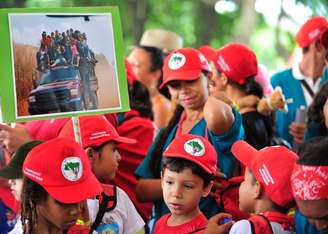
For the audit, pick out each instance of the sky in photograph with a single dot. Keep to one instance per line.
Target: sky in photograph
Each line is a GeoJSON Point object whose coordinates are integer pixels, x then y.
{"type": "Point", "coordinates": [27, 29]}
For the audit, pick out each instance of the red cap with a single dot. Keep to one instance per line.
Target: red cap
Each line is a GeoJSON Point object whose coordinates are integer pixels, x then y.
{"type": "Point", "coordinates": [208, 52]}
{"type": "Point", "coordinates": [324, 39]}
{"type": "Point", "coordinates": [194, 148]}
{"type": "Point", "coordinates": [237, 62]}
{"type": "Point", "coordinates": [311, 30]}
{"type": "Point", "coordinates": [272, 167]}
{"type": "Point", "coordinates": [95, 131]}
{"type": "Point", "coordinates": [184, 64]}
{"type": "Point", "coordinates": [62, 168]}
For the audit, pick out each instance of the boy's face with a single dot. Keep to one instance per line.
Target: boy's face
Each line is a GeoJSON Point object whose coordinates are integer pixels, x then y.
{"type": "Point", "coordinates": [182, 191]}
{"type": "Point", "coordinates": [247, 191]}
{"type": "Point", "coordinates": [61, 215]}
{"type": "Point", "coordinates": [16, 186]}
{"type": "Point", "coordinates": [316, 212]}
{"type": "Point", "coordinates": [105, 162]}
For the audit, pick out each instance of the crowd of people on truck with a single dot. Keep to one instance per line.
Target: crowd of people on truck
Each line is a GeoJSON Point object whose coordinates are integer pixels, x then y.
{"type": "Point", "coordinates": [63, 48]}
{"type": "Point", "coordinates": [211, 144]}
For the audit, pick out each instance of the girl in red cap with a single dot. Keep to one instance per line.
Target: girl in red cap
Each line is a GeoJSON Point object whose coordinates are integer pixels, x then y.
{"type": "Point", "coordinates": [57, 181]}
{"type": "Point", "coordinates": [186, 73]}
{"type": "Point", "coordinates": [235, 75]}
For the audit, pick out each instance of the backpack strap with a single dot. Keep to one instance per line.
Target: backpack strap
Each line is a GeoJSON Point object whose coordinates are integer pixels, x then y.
{"type": "Point", "coordinates": [260, 225]}
{"type": "Point", "coordinates": [107, 202]}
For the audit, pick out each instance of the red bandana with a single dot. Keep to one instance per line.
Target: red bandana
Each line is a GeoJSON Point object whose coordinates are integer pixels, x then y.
{"type": "Point", "coordinates": [310, 182]}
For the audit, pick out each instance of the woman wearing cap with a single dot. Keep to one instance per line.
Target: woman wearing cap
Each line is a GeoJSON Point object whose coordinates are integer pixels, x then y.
{"type": "Point", "coordinates": [57, 181]}
{"type": "Point", "coordinates": [186, 74]}
{"type": "Point", "coordinates": [235, 75]}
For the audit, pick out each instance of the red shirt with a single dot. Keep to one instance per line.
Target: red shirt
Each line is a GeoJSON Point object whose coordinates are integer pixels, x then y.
{"type": "Point", "coordinates": [196, 225]}
{"type": "Point", "coordinates": [142, 130]}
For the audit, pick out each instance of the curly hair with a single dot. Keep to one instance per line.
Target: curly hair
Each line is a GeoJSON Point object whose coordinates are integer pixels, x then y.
{"type": "Point", "coordinates": [32, 195]}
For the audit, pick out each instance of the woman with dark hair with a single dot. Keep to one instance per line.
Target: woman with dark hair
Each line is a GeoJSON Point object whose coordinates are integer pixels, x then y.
{"type": "Point", "coordinates": [234, 73]}
{"type": "Point", "coordinates": [137, 124]}
{"type": "Point", "coordinates": [318, 114]}
{"type": "Point", "coordinates": [186, 73]}
{"type": "Point", "coordinates": [147, 62]}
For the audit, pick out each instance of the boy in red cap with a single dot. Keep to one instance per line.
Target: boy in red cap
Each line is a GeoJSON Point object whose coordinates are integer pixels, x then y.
{"type": "Point", "coordinates": [301, 82]}
{"type": "Point", "coordinates": [189, 164]}
{"type": "Point", "coordinates": [99, 140]}
{"type": "Point", "coordinates": [265, 191]}
{"type": "Point", "coordinates": [310, 187]}
{"type": "Point", "coordinates": [57, 181]}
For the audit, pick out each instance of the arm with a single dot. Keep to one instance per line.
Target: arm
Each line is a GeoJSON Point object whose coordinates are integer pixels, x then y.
{"type": "Point", "coordinates": [218, 115]}
{"type": "Point", "coordinates": [149, 190]}
{"type": "Point", "coordinates": [13, 137]}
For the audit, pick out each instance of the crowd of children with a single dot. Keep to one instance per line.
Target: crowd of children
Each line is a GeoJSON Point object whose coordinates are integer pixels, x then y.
{"type": "Point", "coordinates": [201, 157]}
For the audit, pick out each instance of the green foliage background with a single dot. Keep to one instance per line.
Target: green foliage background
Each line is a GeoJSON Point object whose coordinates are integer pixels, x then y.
{"type": "Point", "coordinates": [197, 22]}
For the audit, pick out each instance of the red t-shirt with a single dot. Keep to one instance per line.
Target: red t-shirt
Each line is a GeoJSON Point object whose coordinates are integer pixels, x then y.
{"type": "Point", "coordinates": [195, 226]}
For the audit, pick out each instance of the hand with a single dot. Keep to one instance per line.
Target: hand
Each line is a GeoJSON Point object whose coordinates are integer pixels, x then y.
{"type": "Point", "coordinates": [297, 131]}
{"type": "Point", "coordinates": [214, 226]}
{"type": "Point", "coordinates": [219, 183]}
{"type": "Point", "coordinates": [223, 97]}
{"type": "Point", "coordinates": [12, 137]}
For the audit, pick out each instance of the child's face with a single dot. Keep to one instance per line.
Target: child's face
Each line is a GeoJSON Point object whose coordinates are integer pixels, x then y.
{"type": "Point", "coordinates": [56, 214]}
{"type": "Point", "coordinates": [246, 192]}
{"type": "Point", "coordinates": [316, 212]}
{"type": "Point", "coordinates": [106, 162]}
{"type": "Point", "coordinates": [182, 191]}
{"type": "Point", "coordinates": [16, 186]}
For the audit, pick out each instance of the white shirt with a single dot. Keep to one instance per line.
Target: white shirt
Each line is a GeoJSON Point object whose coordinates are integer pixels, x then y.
{"type": "Point", "coordinates": [244, 227]}
{"type": "Point", "coordinates": [18, 228]}
{"type": "Point", "coordinates": [315, 86]}
{"type": "Point", "coordinates": [123, 219]}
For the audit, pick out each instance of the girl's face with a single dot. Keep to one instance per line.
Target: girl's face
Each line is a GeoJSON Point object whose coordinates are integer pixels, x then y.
{"type": "Point", "coordinates": [16, 186]}
{"type": "Point", "coordinates": [190, 94]}
{"type": "Point", "coordinates": [53, 213]}
{"type": "Point", "coordinates": [106, 162]}
{"type": "Point", "coordinates": [215, 82]}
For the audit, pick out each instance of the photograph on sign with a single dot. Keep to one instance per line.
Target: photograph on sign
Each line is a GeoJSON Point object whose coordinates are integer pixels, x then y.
{"type": "Point", "coordinates": [63, 63]}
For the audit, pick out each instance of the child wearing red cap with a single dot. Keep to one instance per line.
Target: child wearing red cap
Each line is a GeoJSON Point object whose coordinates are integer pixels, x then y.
{"type": "Point", "coordinates": [235, 71]}
{"type": "Point", "coordinates": [301, 82]}
{"type": "Point", "coordinates": [264, 190]}
{"type": "Point", "coordinates": [57, 181]}
{"type": "Point", "coordinates": [99, 139]}
{"type": "Point", "coordinates": [310, 187]}
{"type": "Point", "coordinates": [189, 164]}
{"type": "Point", "coordinates": [186, 73]}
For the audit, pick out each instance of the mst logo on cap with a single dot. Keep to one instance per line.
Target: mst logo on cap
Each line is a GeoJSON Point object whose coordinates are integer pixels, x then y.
{"type": "Point", "coordinates": [195, 147]}
{"type": "Point", "coordinates": [71, 168]}
{"type": "Point", "coordinates": [176, 61]}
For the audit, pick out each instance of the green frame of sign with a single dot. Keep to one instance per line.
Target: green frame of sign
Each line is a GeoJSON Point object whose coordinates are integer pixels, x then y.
{"type": "Point", "coordinates": [7, 93]}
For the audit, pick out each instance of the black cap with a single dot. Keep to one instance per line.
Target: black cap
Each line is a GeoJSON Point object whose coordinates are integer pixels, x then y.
{"type": "Point", "coordinates": [14, 169]}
